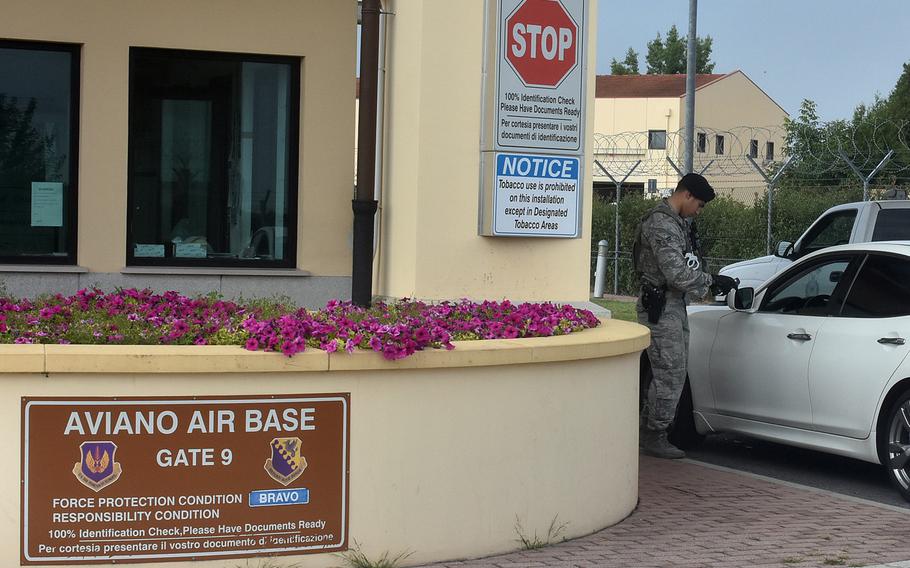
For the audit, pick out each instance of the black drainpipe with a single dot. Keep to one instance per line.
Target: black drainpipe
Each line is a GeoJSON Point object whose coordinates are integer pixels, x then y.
{"type": "Point", "coordinates": [364, 204]}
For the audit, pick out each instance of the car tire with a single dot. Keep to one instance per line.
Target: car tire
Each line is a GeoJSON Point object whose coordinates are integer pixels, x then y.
{"type": "Point", "coordinates": [894, 448]}
{"type": "Point", "coordinates": [682, 432]}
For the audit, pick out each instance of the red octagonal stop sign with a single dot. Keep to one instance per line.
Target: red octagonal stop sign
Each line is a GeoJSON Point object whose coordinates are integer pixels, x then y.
{"type": "Point", "coordinates": [541, 42]}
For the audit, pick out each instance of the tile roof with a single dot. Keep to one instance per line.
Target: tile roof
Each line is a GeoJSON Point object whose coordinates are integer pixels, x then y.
{"type": "Point", "coordinates": [640, 86]}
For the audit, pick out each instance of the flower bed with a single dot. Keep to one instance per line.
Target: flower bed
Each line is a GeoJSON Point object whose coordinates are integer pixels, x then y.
{"type": "Point", "coordinates": [141, 317]}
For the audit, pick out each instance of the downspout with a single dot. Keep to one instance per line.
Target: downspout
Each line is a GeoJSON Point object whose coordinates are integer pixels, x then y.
{"type": "Point", "coordinates": [364, 202]}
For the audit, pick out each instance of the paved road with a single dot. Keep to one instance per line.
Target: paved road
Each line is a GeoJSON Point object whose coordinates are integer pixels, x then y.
{"type": "Point", "coordinates": [833, 473]}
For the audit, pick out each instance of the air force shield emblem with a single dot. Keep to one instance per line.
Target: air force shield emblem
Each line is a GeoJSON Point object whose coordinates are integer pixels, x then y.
{"type": "Point", "coordinates": [96, 468]}
{"type": "Point", "coordinates": [286, 463]}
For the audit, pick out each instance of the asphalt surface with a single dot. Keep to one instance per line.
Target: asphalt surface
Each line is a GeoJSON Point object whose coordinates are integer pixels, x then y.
{"type": "Point", "coordinates": [806, 467]}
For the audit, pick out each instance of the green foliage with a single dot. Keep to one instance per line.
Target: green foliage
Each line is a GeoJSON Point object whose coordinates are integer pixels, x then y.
{"type": "Point", "coordinates": [628, 66]}
{"type": "Point", "coordinates": [529, 542]}
{"type": "Point", "coordinates": [356, 558]}
{"type": "Point", "coordinates": [668, 56]}
{"type": "Point", "coordinates": [22, 147]}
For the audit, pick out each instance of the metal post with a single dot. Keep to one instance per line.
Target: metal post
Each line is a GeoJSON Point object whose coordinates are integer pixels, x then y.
{"type": "Point", "coordinates": [600, 272]}
{"type": "Point", "coordinates": [364, 203]}
{"type": "Point", "coordinates": [616, 242]}
{"type": "Point", "coordinates": [771, 182]}
{"type": "Point", "coordinates": [691, 68]}
{"type": "Point", "coordinates": [859, 174]}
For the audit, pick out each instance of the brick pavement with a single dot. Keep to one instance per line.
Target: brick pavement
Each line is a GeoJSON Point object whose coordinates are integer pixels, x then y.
{"type": "Point", "coordinates": [692, 515]}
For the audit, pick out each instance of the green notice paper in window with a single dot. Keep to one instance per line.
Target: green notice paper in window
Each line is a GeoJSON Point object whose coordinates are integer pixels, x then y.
{"type": "Point", "coordinates": [47, 204]}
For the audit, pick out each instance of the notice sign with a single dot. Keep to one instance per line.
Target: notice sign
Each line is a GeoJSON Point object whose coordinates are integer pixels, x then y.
{"type": "Point", "coordinates": [540, 69]}
{"type": "Point", "coordinates": [47, 204]}
{"type": "Point", "coordinates": [536, 195]}
{"type": "Point", "coordinates": [144, 480]}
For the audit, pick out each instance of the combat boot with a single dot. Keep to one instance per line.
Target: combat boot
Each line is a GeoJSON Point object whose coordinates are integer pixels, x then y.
{"type": "Point", "coordinates": [656, 444]}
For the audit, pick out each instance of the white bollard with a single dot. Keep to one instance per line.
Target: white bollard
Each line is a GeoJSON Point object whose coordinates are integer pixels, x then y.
{"type": "Point", "coordinates": [600, 272]}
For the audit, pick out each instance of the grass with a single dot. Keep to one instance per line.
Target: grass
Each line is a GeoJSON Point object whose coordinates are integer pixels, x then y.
{"type": "Point", "coordinates": [355, 558]}
{"type": "Point", "coordinates": [529, 542]}
{"type": "Point", "coordinates": [622, 309]}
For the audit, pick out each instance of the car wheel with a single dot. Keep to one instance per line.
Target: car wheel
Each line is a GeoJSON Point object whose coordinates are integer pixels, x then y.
{"type": "Point", "coordinates": [682, 432]}
{"type": "Point", "coordinates": [895, 454]}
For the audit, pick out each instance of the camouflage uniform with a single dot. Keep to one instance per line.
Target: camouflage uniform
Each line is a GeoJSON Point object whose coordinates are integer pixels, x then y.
{"type": "Point", "coordinates": [664, 243]}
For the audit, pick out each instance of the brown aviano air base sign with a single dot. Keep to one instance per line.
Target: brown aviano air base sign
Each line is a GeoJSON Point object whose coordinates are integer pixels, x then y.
{"type": "Point", "coordinates": [160, 479]}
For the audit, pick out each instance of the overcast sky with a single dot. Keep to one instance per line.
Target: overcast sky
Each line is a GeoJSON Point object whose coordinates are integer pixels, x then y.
{"type": "Point", "coordinates": [838, 53]}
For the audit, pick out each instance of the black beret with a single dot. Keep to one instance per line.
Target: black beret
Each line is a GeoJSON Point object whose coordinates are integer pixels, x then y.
{"type": "Point", "coordinates": [698, 186]}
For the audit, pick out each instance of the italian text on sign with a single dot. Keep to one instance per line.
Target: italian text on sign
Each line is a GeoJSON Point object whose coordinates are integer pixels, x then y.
{"type": "Point", "coordinates": [145, 480]}
{"type": "Point", "coordinates": [536, 195]}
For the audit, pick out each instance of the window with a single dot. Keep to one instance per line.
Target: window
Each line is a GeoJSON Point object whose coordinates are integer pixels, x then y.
{"type": "Point", "coordinates": [832, 229]}
{"type": "Point", "coordinates": [807, 292]}
{"type": "Point", "coordinates": [701, 142]}
{"type": "Point", "coordinates": [769, 151]}
{"type": "Point", "coordinates": [753, 148]}
{"type": "Point", "coordinates": [39, 102]}
{"type": "Point", "coordinates": [213, 159]}
{"type": "Point", "coordinates": [652, 185]}
{"type": "Point", "coordinates": [657, 139]}
{"type": "Point", "coordinates": [719, 145]}
{"type": "Point", "coordinates": [880, 289]}
{"type": "Point", "coordinates": [892, 225]}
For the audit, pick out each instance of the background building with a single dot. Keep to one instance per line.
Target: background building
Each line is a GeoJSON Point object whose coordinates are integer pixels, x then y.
{"type": "Point", "coordinates": [642, 118]}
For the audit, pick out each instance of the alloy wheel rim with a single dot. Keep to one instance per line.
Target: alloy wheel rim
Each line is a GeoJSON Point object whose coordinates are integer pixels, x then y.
{"type": "Point", "coordinates": [899, 445]}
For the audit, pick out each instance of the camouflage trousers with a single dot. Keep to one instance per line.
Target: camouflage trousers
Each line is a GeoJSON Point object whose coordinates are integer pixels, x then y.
{"type": "Point", "coordinates": [669, 355]}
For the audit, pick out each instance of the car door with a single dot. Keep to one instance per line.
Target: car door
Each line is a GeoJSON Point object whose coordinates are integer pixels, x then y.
{"type": "Point", "coordinates": [759, 361]}
{"type": "Point", "coordinates": [860, 347]}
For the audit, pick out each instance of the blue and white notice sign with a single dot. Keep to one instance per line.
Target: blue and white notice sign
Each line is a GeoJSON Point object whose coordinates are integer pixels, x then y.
{"type": "Point", "coordinates": [536, 195]}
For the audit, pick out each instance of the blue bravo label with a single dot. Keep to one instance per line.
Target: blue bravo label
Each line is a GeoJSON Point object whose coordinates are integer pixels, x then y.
{"type": "Point", "coordinates": [274, 497]}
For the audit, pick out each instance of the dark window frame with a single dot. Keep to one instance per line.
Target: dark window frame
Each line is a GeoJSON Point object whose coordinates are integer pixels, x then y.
{"type": "Point", "coordinates": [71, 215]}
{"type": "Point", "coordinates": [769, 151]}
{"type": "Point", "coordinates": [290, 260]}
{"type": "Point", "coordinates": [652, 144]}
{"type": "Point", "coordinates": [701, 143]}
{"type": "Point", "coordinates": [753, 148]}
{"type": "Point", "coordinates": [719, 144]}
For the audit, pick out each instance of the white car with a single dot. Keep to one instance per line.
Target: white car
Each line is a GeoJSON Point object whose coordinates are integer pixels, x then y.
{"type": "Point", "coordinates": [816, 357]}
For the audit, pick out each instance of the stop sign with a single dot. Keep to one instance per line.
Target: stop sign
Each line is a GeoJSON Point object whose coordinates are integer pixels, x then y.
{"type": "Point", "coordinates": [541, 42]}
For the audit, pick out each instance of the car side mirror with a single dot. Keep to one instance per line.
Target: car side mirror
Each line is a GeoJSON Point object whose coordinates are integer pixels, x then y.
{"type": "Point", "coordinates": [835, 276]}
{"type": "Point", "coordinates": [741, 299]}
{"type": "Point", "coordinates": [784, 249]}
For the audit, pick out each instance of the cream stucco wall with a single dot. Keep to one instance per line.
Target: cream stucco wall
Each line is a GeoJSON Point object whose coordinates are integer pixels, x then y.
{"type": "Point", "coordinates": [320, 32]}
{"type": "Point", "coordinates": [447, 448]}
{"type": "Point", "coordinates": [737, 106]}
{"type": "Point", "coordinates": [632, 118]}
{"type": "Point", "coordinates": [429, 208]}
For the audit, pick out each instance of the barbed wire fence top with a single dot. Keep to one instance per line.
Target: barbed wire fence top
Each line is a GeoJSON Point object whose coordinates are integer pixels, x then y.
{"type": "Point", "coordinates": [749, 164]}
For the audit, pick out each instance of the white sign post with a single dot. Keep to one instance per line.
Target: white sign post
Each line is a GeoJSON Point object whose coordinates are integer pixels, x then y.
{"type": "Point", "coordinates": [534, 132]}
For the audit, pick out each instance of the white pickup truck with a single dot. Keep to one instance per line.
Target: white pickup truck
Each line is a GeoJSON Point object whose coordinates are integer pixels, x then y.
{"type": "Point", "coordinates": [849, 223]}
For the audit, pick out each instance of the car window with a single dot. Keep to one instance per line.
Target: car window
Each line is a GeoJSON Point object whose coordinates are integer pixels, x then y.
{"type": "Point", "coordinates": [807, 292]}
{"type": "Point", "coordinates": [892, 225]}
{"type": "Point", "coordinates": [833, 229]}
{"type": "Point", "coordinates": [880, 289]}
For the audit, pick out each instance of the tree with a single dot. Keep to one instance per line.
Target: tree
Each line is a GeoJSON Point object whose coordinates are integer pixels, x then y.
{"type": "Point", "coordinates": [628, 66]}
{"type": "Point", "coordinates": [668, 56]}
{"type": "Point", "coordinates": [899, 100]}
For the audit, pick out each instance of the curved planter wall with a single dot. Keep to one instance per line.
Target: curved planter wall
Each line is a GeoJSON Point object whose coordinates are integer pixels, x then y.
{"type": "Point", "coordinates": [447, 448]}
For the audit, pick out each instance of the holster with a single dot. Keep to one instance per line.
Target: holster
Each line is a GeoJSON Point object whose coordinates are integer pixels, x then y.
{"type": "Point", "coordinates": [653, 299]}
